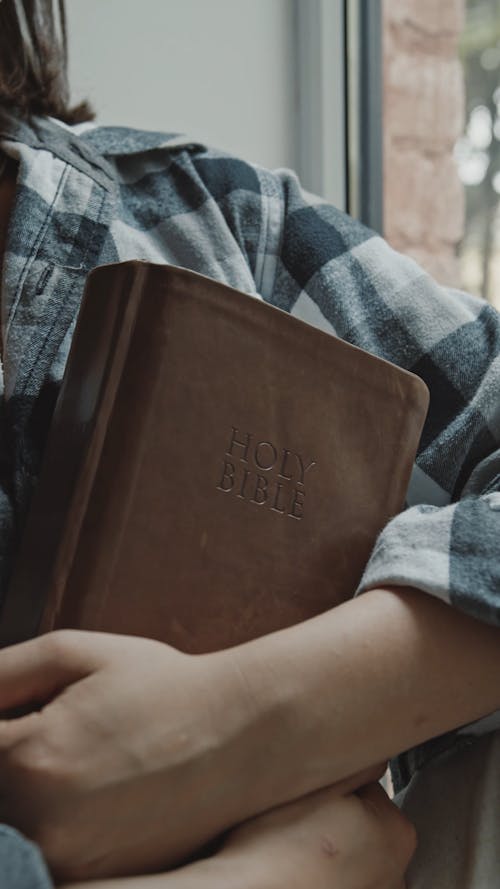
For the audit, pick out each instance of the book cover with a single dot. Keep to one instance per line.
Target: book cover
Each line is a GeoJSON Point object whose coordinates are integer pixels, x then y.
{"type": "Point", "coordinates": [216, 469]}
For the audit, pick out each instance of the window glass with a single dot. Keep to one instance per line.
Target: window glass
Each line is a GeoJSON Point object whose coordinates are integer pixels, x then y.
{"type": "Point", "coordinates": [220, 71]}
{"type": "Point", "coordinates": [262, 79]}
{"type": "Point", "coordinates": [477, 151]}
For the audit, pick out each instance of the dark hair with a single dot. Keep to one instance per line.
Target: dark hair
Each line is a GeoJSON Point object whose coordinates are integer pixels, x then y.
{"type": "Point", "coordinates": [33, 60]}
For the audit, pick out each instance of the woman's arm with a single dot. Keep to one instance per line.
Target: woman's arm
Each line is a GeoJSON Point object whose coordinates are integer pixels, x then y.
{"type": "Point", "coordinates": [356, 841]}
{"type": "Point", "coordinates": [142, 753]}
{"type": "Point", "coordinates": [359, 684]}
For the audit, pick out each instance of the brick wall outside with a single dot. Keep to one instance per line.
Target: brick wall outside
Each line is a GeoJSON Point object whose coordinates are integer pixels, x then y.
{"type": "Point", "coordinates": [423, 115]}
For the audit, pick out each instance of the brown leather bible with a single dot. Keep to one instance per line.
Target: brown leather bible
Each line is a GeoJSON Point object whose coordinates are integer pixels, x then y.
{"type": "Point", "coordinates": [216, 469]}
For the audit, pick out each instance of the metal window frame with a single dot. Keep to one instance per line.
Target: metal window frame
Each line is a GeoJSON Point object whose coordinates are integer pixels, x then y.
{"type": "Point", "coordinates": [338, 48]}
{"type": "Point", "coordinates": [365, 111]}
{"type": "Point", "coordinates": [321, 97]}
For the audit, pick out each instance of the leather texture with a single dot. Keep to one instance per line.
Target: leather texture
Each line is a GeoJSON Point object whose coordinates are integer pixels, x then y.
{"type": "Point", "coordinates": [216, 469]}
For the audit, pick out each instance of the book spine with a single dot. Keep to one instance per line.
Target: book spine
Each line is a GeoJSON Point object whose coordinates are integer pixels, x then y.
{"type": "Point", "coordinates": [125, 298]}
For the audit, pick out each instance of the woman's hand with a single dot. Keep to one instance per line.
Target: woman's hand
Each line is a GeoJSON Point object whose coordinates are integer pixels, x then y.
{"type": "Point", "coordinates": [356, 841]}
{"type": "Point", "coordinates": [120, 771]}
{"type": "Point", "coordinates": [135, 759]}
{"type": "Point", "coordinates": [141, 754]}
{"type": "Point", "coordinates": [353, 841]}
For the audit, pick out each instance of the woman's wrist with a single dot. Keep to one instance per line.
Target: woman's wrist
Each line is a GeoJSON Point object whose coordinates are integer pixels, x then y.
{"type": "Point", "coordinates": [247, 710]}
{"type": "Point", "coordinates": [263, 739]}
{"type": "Point", "coordinates": [211, 873]}
{"type": "Point", "coordinates": [266, 752]}
{"type": "Point", "coordinates": [332, 696]}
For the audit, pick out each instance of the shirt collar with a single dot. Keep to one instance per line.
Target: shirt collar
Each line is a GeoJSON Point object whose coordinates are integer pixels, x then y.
{"type": "Point", "coordinates": [46, 134]}
{"type": "Point", "coordinates": [87, 146]}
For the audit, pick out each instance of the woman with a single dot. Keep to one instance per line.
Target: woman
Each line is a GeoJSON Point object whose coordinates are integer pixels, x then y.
{"type": "Point", "coordinates": [117, 774]}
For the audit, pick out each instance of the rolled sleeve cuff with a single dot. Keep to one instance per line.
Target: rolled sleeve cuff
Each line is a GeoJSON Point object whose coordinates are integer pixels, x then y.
{"type": "Point", "coordinates": [413, 550]}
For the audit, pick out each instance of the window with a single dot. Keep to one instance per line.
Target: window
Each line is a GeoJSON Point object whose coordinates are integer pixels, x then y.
{"type": "Point", "coordinates": [477, 151]}
{"type": "Point", "coordinates": [267, 80]}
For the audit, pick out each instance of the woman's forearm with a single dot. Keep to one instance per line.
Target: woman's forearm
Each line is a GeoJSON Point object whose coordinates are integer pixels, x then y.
{"type": "Point", "coordinates": [212, 873]}
{"type": "Point", "coordinates": [327, 839]}
{"type": "Point", "coordinates": [357, 685]}
{"type": "Point", "coordinates": [141, 754]}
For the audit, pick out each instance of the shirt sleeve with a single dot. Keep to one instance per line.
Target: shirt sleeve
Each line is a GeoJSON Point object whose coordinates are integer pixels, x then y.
{"type": "Point", "coordinates": [326, 268]}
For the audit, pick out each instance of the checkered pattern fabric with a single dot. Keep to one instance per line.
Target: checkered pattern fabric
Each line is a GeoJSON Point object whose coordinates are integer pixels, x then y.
{"type": "Point", "coordinates": [90, 195]}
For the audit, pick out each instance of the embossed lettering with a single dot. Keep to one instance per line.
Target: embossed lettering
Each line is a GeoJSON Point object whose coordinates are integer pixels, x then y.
{"type": "Point", "coordinates": [246, 473]}
{"type": "Point", "coordinates": [266, 465]}
{"type": "Point", "coordinates": [227, 473]}
{"type": "Point", "coordinates": [297, 507]}
{"type": "Point", "coordinates": [241, 444]}
{"type": "Point", "coordinates": [282, 473]}
{"type": "Point", "coordinates": [275, 507]}
{"type": "Point", "coordinates": [303, 469]}
{"type": "Point", "coordinates": [273, 477]}
{"type": "Point", "coordinates": [260, 489]}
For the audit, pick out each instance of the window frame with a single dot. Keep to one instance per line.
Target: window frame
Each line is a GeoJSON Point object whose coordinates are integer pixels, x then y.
{"type": "Point", "coordinates": [338, 47]}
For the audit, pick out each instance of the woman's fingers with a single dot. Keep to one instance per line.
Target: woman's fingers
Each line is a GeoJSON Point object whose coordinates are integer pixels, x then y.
{"type": "Point", "coordinates": [33, 672]}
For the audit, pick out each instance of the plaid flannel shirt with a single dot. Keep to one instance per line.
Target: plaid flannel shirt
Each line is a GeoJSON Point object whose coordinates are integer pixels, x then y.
{"type": "Point", "coordinates": [90, 195]}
